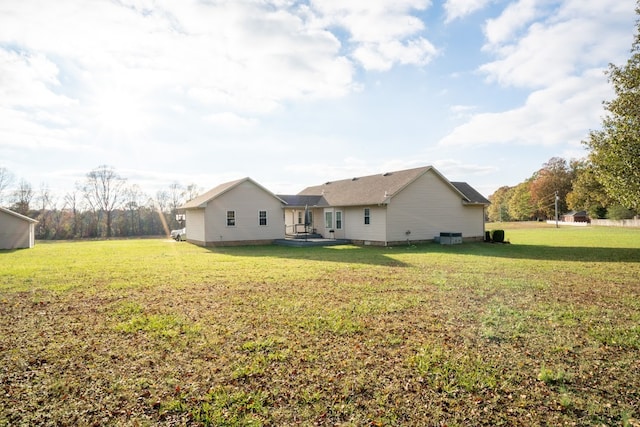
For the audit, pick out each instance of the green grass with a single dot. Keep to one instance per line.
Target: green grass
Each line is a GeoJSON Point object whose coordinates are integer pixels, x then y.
{"type": "Point", "coordinates": [541, 331]}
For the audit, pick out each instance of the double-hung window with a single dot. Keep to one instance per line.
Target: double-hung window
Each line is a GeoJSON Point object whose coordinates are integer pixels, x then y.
{"type": "Point", "coordinates": [367, 216]}
{"type": "Point", "coordinates": [328, 219]}
{"type": "Point", "coordinates": [262, 217]}
{"type": "Point", "coordinates": [339, 220]}
{"type": "Point", "coordinates": [231, 218]}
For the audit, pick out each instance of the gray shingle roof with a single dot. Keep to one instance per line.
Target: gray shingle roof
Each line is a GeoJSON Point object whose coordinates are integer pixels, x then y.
{"type": "Point", "coordinates": [377, 189]}
{"type": "Point", "coordinates": [470, 193]}
{"type": "Point", "coordinates": [202, 200]}
{"type": "Point", "coordinates": [301, 201]}
{"type": "Point", "coordinates": [365, 190]}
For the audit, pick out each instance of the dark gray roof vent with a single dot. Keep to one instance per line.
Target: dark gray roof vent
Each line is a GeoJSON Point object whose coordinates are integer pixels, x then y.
{"type": "Point", "coordinates": [355, 178]}
{"type": "Point", "coordinates": [386, 174]}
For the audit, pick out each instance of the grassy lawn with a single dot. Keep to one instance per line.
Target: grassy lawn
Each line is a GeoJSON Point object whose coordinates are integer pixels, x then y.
{"type": "Point", "coordinates": [542, 331]}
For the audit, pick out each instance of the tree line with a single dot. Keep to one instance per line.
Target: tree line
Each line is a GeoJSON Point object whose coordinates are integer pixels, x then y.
{"type": "Point", "coordinates": [573, 183]}
{"type": "Point", "coordinates": [103, 205]}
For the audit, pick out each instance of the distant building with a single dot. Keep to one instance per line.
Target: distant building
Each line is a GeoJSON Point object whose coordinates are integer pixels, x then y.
{"type": "Point", "coordinates": [16, 231]}
{"type": "Point", "coordinates": [573, 216]}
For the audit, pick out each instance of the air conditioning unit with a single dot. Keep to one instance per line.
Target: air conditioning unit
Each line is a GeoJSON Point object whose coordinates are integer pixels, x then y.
{"type": "Point", "coordinates": [449, 238]}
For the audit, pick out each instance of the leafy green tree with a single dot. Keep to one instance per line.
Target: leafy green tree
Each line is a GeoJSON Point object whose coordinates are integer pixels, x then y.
{"type": "Point", "coordinates": [615, 149]}
{"type": "Point", "coordinates": [619, 212]}
{"type": "Point", "coordinates": [499, 208]}
{"type": "Point", "coordinates": [554, 178]}
{"type": "Point", "coordinates": [587, 193]}
{"type": "Point", "coordinates": [521, 207]}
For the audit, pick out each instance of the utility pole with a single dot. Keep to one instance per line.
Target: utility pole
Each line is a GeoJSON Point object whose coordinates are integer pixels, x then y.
{"type": "Point", "coordinates": [557, 208]}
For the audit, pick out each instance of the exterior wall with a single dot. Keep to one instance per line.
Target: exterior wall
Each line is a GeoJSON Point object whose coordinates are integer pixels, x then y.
{"type": "Point", "coordinates": [429, 206]}
{"type": "Point", "coordinates": [15, 232]}
{"type": "Point", "coordinates": [246, 200]}
{"type": "Point", "coordinates": [195, 226]}
{"type": "Point", "coordinates": [356, 230]}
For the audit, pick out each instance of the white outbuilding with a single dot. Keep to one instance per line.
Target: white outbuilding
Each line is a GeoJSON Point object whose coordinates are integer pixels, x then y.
{"type": "Point", "coordinates": [16, 231]}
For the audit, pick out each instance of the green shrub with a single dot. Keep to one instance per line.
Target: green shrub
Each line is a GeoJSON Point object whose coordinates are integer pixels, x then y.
{"type": "Point", "coordinates": [497, 236]}
{"type": "Point", "coordinates": [619, 212]}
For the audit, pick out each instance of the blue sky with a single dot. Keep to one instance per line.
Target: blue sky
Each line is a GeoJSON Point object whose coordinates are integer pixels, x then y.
{"type": "Point", "coordinates": [295, 93]}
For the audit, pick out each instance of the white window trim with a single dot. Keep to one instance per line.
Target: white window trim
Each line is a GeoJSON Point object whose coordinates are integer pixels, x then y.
{"type": "Point", "coordinates": [367, 216]}
{"type": "Point", "coordinates": [266, 220]}
{"type": "Point", "coordinates": [235, 222]}
{"type": "Point", "coordinates": [328, 215]}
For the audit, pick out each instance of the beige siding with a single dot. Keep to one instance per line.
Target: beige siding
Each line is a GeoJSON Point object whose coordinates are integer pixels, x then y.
{"type": "Point", "coordinates": [246, 199]}
{"type": "Point", "coordinates": [429, 206]}
{"type": "Point", "coordinates": [15, 232]}
{"type": "Point", "coordinates": [355, 228]}
{"type": "Point", "coordinates": [195, 226]}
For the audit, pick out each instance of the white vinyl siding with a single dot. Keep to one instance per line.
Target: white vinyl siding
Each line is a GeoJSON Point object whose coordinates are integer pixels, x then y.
{"type": "Point", "coordinates": [16, 232]}
{"type": "Point", "coordinates": [195, 225]}
{"type": "Point", "coordinates": [429, 206]}
{"type": "Point", "coordinates": [245, 199]}
{"type": "Point", "coordinates": [355, 228]}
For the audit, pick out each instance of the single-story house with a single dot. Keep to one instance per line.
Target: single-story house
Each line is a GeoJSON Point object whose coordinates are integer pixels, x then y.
{"type": "Point", "coordinates": [413, 205]}
{"type": "Point", "coordinates": [234, 213]}
{"type": "Point", "coordinates": [576, 216]}
{"type": "Point", "coordinates": [16, 231]}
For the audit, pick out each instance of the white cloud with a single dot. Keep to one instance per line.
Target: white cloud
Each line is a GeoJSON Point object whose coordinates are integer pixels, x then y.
{"type": "Point", "coordinates": [456, 9]}
{"type": "Point", "coordinates": [566, 41]}
{"type": "Point", "coordinates": [239, 54]}
{"type": "Point", "coordinates": [382, 33]}
{"type": "Point", "coordinates": [27, 81]}
{"type": "Point", "coordinates": [231, 120]}
{"type": "Point", "coordinates": [455, 169]}
{"type": "Point", "coordinates": [382, 56]}
{"type": "Point", "coordinates": [562, 57]}
{"type": "Point", "coordinates": [559, 114]}
{"type": "Point", "coordinates": [514, 17]}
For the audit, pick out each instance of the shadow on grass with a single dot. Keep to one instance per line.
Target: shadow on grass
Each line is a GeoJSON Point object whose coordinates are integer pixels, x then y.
{"type": "Point", "coordinates": [385, 255]}
{"type": "Point", "coordinates": [559, 253]}
{"type": "Point", "coordinates": [344, 253]}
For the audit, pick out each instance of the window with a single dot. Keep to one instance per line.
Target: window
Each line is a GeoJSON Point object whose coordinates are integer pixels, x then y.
{"type": "Point", "coordinates": [367, 216]}
{"type": "Point", "coordinates": [262, 217]}
{"type": "Point", "coordinates": [328, 219]}
{"type": "Point", "coordinates": [300, 221]}
{"type": "Point", "coordinates": [339, 220]}
{"type": "Point", "coordinates": [231, 218]}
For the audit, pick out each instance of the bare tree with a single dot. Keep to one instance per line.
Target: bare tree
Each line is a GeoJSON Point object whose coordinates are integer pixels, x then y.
{"type": "Point", "coordinates": [134, 202]}
{"type": "Point", "coordinates": [103, 190]}
{"type": "Point", "coordinates": [72, 203]}
{"type": "Point", "coordinates": [191, 192]}
{"type": "Point", "coordinates": [6, 179]}
{"type": "Point", "coordinates": [22, 197]}
{"type": "Point", "coordinates": [45, 203]}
